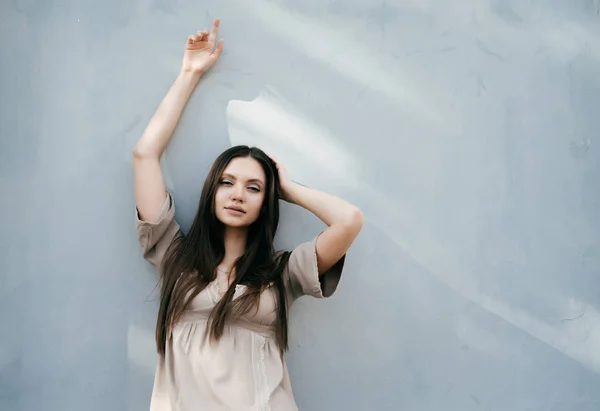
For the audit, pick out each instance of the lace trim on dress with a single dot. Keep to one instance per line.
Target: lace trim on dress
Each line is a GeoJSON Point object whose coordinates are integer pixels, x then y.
{"type": "Point", "coordinates": [261, 384]}
{"type": "Point", "coordinates": [213, 293]}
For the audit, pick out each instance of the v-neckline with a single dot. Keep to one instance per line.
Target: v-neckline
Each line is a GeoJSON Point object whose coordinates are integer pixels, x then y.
{"type": "Point", "coordinates": [216, 295]}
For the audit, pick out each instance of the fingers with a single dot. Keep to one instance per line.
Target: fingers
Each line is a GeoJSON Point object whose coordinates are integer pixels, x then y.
{"type": "Point", "coordinates": [278, 165]}
{"type": "Point", "coordinates": [199, 36]}
{"type": "Point", "coordinates": [219, 48]}
{"type": "Point", "coordinates": [209, 37]}
{"type": "Point", "coordinates": [214, 32]}
{"type": "Point", "coordinates": [202, 35]}
{"type": "Point", "coordinates": [272, 157]}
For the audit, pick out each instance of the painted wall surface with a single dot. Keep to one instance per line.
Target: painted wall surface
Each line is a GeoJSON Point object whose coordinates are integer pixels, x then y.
{"type": "Point", "coordinates": [467, 131]}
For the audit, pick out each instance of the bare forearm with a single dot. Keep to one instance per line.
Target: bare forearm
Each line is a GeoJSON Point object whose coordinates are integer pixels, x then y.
{"type": "Point", "coordinates": [158, 133]}
{"type": "Point", "coordinates": [328, 208]}
{"type": "Point", "coordinates": [201, 53]}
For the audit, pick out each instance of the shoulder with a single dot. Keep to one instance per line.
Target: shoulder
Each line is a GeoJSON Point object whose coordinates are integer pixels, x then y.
{"type": "Point", "coordinates": [155, 237]}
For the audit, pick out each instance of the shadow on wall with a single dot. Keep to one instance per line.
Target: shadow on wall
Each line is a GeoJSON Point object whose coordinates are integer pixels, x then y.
{"type": "Point", "coordinates": [275, 124]}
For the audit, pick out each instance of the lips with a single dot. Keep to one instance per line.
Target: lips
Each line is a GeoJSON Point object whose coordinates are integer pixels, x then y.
{"type": "Point", "coordinates": [238, 209]}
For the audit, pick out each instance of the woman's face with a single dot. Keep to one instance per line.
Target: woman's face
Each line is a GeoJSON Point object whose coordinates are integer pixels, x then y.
{"type": "Point", "coordinates": [240, 192]}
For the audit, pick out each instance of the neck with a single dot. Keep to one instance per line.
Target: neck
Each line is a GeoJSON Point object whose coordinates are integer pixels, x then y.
{"type": "Point", "coordinates": [235, 246]}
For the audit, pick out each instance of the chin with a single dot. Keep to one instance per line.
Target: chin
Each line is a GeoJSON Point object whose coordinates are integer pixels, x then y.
{"type": "Point", "coordinates": [234, 222]}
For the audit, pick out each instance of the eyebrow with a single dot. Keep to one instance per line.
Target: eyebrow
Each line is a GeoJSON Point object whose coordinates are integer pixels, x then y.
{"type": "Point", "coordinates": [252, 180]}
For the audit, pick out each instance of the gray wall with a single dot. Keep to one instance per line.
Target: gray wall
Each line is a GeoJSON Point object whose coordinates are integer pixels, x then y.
{"type": "Point", "coordinates": [467, 131]}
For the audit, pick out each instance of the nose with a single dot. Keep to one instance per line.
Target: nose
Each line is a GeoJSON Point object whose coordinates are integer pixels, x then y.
{"type": "Point", "coordinates": [238, 193]}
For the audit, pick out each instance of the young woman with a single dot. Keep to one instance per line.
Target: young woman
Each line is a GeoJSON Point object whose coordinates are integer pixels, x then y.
{"type": "Point", "coordinates": [225, 292]}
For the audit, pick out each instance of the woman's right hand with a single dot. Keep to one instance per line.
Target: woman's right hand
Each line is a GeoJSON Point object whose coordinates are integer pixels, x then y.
{"type": "Point", "coordinates": [200, 51]}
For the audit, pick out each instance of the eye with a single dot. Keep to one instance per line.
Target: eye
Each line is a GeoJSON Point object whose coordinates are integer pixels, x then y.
{"type": "Point", "coordinates": [226, 182]}
{"type": "Point", "coordinates": [254, 188]}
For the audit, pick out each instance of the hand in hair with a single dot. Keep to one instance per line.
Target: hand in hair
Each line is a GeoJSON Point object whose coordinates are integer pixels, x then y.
{"type": "Point", "coordinates": [285, 183]}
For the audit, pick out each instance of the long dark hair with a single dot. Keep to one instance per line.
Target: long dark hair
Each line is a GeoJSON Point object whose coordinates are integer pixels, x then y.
{"type": "Point", "coordinates": [190, 262]}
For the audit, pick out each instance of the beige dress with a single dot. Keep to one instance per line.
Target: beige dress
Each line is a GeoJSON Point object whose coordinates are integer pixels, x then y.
{"type": "Point", "coordinates": [243, 370]}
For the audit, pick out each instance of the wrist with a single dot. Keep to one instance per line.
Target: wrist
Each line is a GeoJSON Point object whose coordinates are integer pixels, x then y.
{"type": "Point", "coordinates": [190, 75]}
{"type": "Point", "coordinates": [293, 192]}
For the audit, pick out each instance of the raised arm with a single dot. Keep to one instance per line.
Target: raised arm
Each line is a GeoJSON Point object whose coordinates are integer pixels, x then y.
{"type": "Point", "coordinates": [201, 53]}
{"type": "Point", "coordinates": [344, 220]}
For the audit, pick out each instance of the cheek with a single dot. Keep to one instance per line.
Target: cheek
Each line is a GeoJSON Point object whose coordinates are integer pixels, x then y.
{"type": "Point", "coordinates": [219, 202]}
{"type": "Point", "coordinates": [220, 196]}
{"type": "Point", "coordinates": [256, 202]}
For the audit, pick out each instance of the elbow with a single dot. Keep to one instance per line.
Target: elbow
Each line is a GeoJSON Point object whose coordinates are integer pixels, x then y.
{"type": "Point", "coordinates": [355, 220]}
{"type": "Point", "coordinates": [136, 153]}
{"type": "Point", "coordinates": [358, 217]}
{"type": "Point", "coordinates": [140, 153]}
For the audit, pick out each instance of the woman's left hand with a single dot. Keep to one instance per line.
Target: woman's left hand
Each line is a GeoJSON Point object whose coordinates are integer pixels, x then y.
{"type": "Point", "coordinates": [286, 184]}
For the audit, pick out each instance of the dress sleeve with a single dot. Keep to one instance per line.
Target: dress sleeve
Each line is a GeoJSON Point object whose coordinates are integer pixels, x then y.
{"type": "Point", "coordinates": [156, 237]}
{"type": "Point", "coordinates": [301, 275]}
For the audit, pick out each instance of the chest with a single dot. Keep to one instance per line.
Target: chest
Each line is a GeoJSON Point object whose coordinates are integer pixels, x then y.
{"type": "Point", "coordinates": [264, 312]}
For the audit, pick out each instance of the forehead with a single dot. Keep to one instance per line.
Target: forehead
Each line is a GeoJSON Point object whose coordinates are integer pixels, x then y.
{"type": "Point", "coordinates": [245, 168]}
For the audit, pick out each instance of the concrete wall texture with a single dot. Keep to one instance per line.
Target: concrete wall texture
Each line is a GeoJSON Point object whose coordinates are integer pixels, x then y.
{"type": "Point", "coordinates": [467, 131]}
